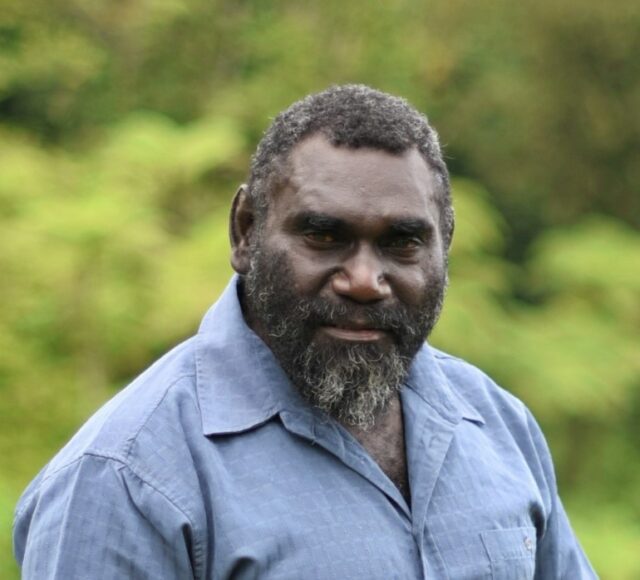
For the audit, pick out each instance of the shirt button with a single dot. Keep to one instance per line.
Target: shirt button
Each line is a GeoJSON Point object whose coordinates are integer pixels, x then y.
{"type": "Point", "coordinates": [528, 544]}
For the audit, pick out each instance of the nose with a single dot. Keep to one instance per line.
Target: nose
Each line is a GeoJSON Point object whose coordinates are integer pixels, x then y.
{"type": "Point", "coordinates": [361, 277]}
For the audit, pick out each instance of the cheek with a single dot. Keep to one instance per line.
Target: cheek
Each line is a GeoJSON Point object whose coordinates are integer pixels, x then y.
{"type": "Point", "coordinates": [308, 273]}
{"type": "Point", "coordinates": [411, 284]}
{"type": "Point", "coordinates": [410, 287]}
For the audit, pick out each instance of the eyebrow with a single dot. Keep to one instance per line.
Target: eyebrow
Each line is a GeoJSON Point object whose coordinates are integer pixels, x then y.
{"type": "Point", "coordinates": [410, 227]}
{"type": "Point", "coordinates": [318, 221]}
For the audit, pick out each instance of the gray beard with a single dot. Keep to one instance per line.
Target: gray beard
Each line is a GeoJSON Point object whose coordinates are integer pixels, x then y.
{"type": "Point", "coordinates": [353, 384]}
{"type": "Point", "coordinates": [350, 382]}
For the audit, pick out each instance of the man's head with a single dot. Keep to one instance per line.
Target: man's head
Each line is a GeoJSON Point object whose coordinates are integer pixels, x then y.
{"type": "Point", "coordinates": [342, 244]}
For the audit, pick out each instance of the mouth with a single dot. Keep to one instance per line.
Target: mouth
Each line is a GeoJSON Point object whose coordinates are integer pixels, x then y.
{"type": "Point", "coordinates": [354, 333]}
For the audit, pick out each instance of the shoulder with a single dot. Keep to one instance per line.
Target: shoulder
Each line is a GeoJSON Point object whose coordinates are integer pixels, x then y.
{"type": "Point", "coordinates": [152, 415]}
{"type": "Point", "coordinates": [517, 448]}
{"type": "Point", "coordinates": [506, 418]}
{"type": "Point", "coordinates": [131, 470]}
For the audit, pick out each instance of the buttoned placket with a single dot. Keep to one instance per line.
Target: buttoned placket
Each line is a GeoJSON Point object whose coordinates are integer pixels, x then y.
{"type": "Point", "coordinates": [428, 437]}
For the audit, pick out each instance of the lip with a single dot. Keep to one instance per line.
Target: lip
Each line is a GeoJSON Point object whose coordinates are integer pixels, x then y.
{"type": "Point", "coordinates": [354, 334]}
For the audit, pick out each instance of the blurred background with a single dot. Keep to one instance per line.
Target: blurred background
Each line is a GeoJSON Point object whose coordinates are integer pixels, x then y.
{"type": "Point", "coordinates": [127, 125]}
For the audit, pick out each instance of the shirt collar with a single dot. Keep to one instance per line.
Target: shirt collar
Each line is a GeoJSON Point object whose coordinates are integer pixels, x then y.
{"type": "Point", "coordinates": [239, 382]}
{"type": "Point", "coordinates": [241, 385]}
{"type": "Point", "coordinates": [428, 380]}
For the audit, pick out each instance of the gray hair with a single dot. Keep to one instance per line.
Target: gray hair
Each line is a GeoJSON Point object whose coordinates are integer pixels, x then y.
{"type": "Point", "coordinates": [351, 116]}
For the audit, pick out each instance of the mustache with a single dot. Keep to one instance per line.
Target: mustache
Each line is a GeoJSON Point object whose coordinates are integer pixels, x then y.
{"type": "Point", "coordinates": [323, 312]}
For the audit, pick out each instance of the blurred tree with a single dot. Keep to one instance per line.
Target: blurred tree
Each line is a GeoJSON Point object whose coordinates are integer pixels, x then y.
{"type": "Point", "coordinates": [536, 103]}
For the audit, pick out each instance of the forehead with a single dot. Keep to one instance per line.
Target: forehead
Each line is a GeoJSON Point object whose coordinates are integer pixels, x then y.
{"type": "Point", "coordinates": [356, 184]}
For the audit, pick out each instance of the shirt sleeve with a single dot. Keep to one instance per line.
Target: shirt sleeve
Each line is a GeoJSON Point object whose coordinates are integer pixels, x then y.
{"type": "Point", "coordinates": [559, 554]}
{"type": "Point", "coordinates": [96, 518]}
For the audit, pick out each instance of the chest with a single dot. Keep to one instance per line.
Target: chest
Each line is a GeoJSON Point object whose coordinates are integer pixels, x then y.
{"type": "Point", "coordinates": [290, 508]}
{"type": "Point", "coordinates": [386, 445]}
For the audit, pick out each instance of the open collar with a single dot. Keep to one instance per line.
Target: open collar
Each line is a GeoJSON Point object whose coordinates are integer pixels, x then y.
{"type": "Point", "coordinates": [241, 385]}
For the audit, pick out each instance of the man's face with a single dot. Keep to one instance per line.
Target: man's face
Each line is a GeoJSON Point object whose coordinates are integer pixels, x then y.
{"type": "Point", "coordinates": [347, 274]}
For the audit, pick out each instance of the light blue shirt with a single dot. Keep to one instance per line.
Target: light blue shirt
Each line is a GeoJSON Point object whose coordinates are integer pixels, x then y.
{"type": "Point", "coordinates": [210, 465]}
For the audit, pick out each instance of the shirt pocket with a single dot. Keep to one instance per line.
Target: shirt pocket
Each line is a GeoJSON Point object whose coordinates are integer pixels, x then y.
{"type": "Point", "coordinates": [511, 553]}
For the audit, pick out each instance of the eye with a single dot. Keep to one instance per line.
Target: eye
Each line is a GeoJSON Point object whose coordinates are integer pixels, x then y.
{"type": "Point", "coordinates": [321, 238]}
{"type": "Point", "coordinates": [404, 243]}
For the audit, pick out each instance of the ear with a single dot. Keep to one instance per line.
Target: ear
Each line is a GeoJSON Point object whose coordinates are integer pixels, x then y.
{"type": "Point", "coordinates": [241, 228]}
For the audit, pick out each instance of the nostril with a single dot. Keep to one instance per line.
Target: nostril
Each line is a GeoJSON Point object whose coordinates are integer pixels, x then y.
{"type": "Point", "coordinates": [361, 285]}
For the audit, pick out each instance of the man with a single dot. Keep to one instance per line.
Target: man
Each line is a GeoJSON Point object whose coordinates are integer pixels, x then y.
{"type": "Point", "coordinates": [307, 431]}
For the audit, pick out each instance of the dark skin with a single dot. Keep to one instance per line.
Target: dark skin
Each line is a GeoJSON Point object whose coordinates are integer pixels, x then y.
{"type": "Point", "coordinates": [360, 226]}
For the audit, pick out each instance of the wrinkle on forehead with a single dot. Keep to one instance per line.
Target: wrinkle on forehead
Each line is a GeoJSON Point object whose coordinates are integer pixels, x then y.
{"type": "Point", "coordinates": [365, 178]}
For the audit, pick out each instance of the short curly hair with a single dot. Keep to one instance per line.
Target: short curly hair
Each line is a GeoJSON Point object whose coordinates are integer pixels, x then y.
{"type": "Point", "coordinates": [351, 116]}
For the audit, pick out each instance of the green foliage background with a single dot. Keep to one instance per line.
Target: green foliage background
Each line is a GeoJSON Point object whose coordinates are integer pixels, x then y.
{"type": "Point", "coordinates": [126, 127]}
